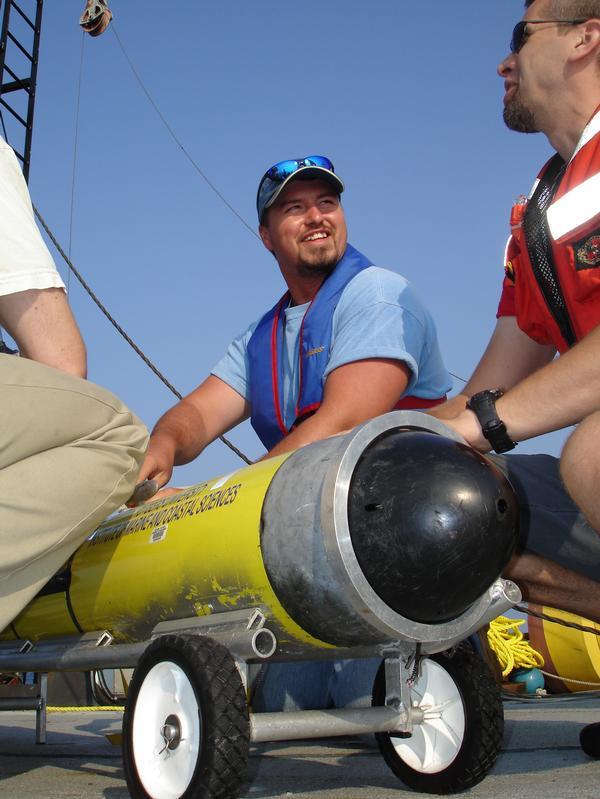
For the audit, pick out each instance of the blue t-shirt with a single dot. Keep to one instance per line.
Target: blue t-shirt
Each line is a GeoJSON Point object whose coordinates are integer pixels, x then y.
{"type": "Point", "coordinates": [378, 316]}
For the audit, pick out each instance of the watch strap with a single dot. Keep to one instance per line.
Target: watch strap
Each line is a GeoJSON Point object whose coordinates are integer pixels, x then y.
{"type": "Point", "coordinates": [483, 405]}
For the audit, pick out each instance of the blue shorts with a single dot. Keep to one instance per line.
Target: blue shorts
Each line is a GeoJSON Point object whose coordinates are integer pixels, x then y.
{"type": "Point", "coordinates": [551, 525]}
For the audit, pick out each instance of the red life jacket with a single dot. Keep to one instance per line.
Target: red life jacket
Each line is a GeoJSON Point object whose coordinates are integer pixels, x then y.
{"type": "Point", "coordinates": [562, 309]}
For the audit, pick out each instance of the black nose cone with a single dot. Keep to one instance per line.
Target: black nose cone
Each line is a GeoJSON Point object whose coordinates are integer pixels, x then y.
{"type": "Point", "coordinates": [432, 522]}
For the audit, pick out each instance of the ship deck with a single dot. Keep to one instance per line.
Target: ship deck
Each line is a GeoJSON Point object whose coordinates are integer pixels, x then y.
{"type": "Point", "coordinates": [541, 758]}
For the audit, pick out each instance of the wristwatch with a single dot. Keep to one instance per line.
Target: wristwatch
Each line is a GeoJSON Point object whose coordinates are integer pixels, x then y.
{"type": "Point", "coordinates": [483, 405]}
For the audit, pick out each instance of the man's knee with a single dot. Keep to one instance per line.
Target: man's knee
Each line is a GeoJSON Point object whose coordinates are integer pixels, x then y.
{"type": "Point", "coordinates": [102, 420]}
{"type": "Point", "coordinates": [49, 409]}
{"type": "Point", "coordinates": [123, 429]}
{"type": "Point", "coordinates": [580, 458]}
{"type": "Point", "coordinates": [580, 468]}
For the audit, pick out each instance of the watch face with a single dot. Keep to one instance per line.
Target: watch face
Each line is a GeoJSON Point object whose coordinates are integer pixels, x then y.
{"type": "Point", "coordinates": [486, 397]}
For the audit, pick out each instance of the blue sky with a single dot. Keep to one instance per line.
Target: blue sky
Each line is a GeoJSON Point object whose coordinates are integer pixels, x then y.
{"type": "Point", "coordinates": [403, 97]}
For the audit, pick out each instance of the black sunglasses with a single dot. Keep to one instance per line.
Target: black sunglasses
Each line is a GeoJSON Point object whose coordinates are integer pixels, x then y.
{"type": "Point", "coordinates": [520, 35]}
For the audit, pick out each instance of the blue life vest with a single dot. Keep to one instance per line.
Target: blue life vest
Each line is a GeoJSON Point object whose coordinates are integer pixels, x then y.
{"type": "Point", "coordinates": [315, 338]}
{"type": "Point", "coordinates": [265, 345]}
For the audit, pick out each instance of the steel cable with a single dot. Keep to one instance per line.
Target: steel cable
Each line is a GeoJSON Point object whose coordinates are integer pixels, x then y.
{"type": "Point", "coordinates": [118, 327]}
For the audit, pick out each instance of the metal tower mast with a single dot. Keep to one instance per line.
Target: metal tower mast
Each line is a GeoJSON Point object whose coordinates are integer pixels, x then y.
{"type": "Point", "coordinates": [19, 50]}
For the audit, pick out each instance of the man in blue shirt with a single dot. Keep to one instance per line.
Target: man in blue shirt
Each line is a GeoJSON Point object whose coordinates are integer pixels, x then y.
{"type": "Point", "coordinates": [348, 340]}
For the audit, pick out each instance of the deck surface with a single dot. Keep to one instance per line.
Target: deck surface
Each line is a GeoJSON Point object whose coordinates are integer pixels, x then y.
{"type": "Point", "coordinates": [541, 760]}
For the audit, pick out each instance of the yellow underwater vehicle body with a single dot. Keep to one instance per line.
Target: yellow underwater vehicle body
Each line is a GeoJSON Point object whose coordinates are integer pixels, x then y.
{"type": "Point", "coordinates": [388, 541]}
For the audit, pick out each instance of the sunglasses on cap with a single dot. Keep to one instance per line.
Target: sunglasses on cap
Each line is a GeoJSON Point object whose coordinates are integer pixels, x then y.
{"type": "Point", "coordinates": [283, 169]}
{"type": "Point", "coordinates": [520, 35]}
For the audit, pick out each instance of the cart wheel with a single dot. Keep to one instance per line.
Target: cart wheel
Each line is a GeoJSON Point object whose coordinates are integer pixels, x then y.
{"type": "Point", "coordinates": [185, 730]}
{"type": "Point", "coordinates": [460, 736]}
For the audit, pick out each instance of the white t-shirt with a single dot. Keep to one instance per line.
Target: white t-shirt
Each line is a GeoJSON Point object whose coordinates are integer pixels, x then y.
{"type": "Point", "coordinates": [25, 262]}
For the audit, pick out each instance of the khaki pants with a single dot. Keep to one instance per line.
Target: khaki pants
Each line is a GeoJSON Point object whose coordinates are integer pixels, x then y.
{"type": "Point", "coordinates": [70, 453]}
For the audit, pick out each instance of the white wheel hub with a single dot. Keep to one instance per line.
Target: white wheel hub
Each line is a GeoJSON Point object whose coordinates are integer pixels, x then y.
{"type": "Point", "coordinates": [437, 740]}
{"type": "Point", "coordinates": [166, 731]}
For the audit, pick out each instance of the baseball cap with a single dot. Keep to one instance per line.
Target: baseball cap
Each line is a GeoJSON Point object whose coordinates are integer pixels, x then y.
{"type": "Point", "coordinates": [280, 174]}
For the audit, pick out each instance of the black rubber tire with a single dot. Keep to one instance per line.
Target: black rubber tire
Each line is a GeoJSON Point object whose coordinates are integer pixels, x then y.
{"type": "Point", "coordinates": [589, 738]}
{"type": "Point", "coordinates": [484, 727]}
{"type": "Point", "coordinates": [223, 714]}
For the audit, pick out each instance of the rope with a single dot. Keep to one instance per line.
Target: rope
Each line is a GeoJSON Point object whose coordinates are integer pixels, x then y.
{"type": "Point", "coordinates": [75, 147]}
{"type": "Point", "coordinates": [569, 679]}
{"type": "Point", "coordinates": [187, 155]}
{"type": "Point", "coordinates": [74, 709]}
{"type": "Point", "coordinates": [77, 274]}
{"type": "Point", "coordinates": [195, 166]}
{"type": "Point", "coordinates": [118, 327]}
{"type": "Point", "coordinates": [510, 647]}
{"type": "Point", "coordinates": [582, 627]}
{"type": "Point", "coordinates": [513, 651]}
{"type": "Point", "coordinates": [177, 141]}
{"type": "Point", "coordinates": [202, 174]}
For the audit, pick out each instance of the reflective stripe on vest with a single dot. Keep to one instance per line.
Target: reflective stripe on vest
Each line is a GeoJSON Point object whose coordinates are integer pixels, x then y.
{"type": "Point", "coordinates": [574, 208]}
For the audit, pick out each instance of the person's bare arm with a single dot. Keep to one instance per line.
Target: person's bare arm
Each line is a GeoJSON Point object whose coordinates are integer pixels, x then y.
{"type": "Point", "coordinates": [558, 395]}
{"type": "Point", "coordinates": [561, 394]}
{"type": "Point", "coordinates": [353, 393]}
{"type": "Point", "coordinates": [509, 358]}
{"type": "Point", "coordinates": [186, 429]}
{"type": "Point", "coordinates": [44, 328]}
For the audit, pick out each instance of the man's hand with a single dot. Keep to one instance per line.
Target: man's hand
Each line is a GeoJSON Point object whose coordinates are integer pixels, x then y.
{"type": "Point", "coordinates": [147, 491]}
{"type": "Point", "coordinates": [160, 459]}
{"type": "Point", "coordinates": [186, 429]}
{"type": "Point", "coordinates": [467, 425]}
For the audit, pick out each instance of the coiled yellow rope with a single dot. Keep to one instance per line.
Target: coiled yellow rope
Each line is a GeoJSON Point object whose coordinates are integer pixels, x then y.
{"type": "Point", "coordinates": [510, 647]}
